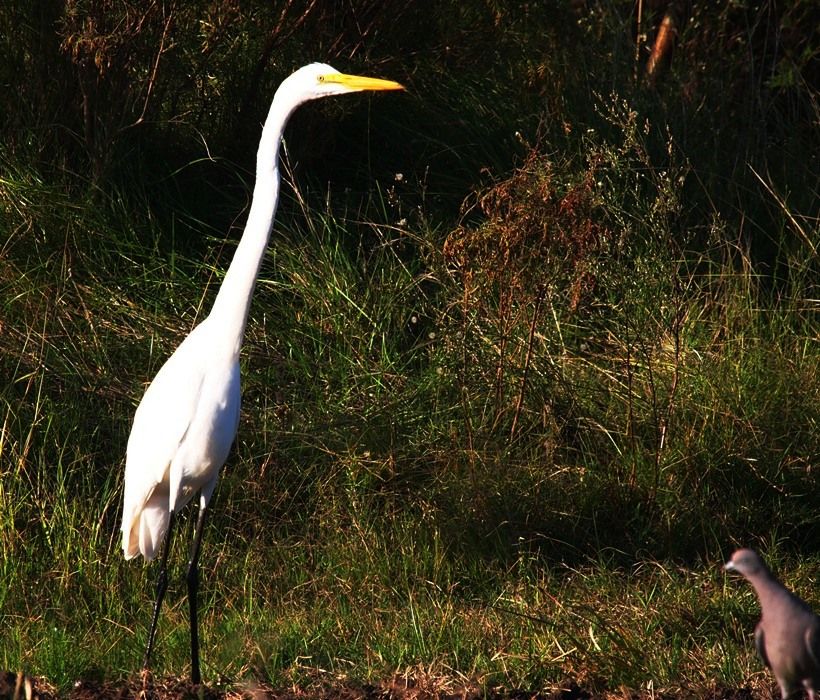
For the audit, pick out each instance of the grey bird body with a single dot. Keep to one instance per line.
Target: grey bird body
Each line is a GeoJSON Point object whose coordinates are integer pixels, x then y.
{"type": "Point", "coordinates": [788, 634]}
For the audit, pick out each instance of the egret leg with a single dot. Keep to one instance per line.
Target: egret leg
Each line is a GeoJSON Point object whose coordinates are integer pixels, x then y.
{"type": "Point", "coordinates": [193, 584]}
{"type": "Point", "coordinates": [162, 586]}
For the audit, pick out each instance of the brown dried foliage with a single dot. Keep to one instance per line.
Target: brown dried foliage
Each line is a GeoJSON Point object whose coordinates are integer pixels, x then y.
{"type": "Point", "coordinates": [534, 235]}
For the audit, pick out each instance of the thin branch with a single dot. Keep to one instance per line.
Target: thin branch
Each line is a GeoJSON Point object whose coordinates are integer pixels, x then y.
{"type": "Point", "coordinates": [527, 362]}
{"type": "Point", "coordinates": [782, 204]}
{"type": "Point", "coordinates": [639, 37]}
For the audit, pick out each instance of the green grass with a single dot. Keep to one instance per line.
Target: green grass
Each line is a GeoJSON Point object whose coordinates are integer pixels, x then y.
{"type": "Point", "coordinates": [510, 447]}
{"type": "Point", "coordinates": [500, 496]}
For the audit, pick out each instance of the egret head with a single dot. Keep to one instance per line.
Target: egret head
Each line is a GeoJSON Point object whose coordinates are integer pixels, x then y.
{"type": "Point", "coordinates": [321, 80]}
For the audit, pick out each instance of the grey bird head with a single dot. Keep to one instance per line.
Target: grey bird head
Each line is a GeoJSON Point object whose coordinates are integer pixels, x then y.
{"type": "Point", "coordinates": [746, 562]}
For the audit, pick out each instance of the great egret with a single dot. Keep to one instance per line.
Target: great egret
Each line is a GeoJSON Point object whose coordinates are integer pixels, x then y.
{"type": "Point", "coordinates": [187, 420]}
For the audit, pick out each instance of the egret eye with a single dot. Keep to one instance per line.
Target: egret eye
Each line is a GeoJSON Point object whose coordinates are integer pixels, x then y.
{"type": "Point", "coordinates": [321, 78]}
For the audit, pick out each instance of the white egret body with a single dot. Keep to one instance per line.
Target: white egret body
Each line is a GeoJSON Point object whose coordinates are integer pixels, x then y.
{"type": "Point", "coordinates": [187, 420]}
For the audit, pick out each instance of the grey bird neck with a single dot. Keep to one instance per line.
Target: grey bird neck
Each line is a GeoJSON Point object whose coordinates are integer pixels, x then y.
{"type": "Point", "coordinates": [770, 589]}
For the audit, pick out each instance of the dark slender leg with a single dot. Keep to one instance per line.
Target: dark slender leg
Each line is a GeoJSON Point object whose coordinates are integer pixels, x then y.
{"type": "Point", "coordinates": [193, 583]}
{"type": "Point", "coordinates": [162, 586]}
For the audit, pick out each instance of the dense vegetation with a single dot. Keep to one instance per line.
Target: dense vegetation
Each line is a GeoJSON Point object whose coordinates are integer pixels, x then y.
{"type": "Point", "coordinates": [534, 347]}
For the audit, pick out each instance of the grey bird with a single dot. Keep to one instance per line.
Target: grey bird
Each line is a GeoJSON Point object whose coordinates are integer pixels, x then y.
{"type": "Point", "coordinates": [788, 634]}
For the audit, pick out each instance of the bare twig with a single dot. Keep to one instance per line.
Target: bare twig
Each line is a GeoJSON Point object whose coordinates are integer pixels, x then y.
{"type": "Point", "coordinates": [639, 37]}
{"type": "Point", "coordinates": [153, 78]}
{"type": "Point", "coordinates": [504, 305]}
{"type": "Point", "coordinates": [782, 204]}
{"type": "Point", "coordinates": [630, 416]}
{"type": "Point", "coordinates": [530, 342]}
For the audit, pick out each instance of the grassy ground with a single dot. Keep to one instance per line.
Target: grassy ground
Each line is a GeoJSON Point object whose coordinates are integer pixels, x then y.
{"type": "Point", "coordinates": [504, 448]}
{"type": "Point", "coordinates": [498, 491]}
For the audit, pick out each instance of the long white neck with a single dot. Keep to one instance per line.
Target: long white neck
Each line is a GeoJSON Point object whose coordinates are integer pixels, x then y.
{"type": "Point", "coordinates": [230, 309]}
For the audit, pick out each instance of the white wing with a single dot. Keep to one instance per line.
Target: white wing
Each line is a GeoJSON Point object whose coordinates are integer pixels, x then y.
{"type": "Point", "coordinates": [160, 424]}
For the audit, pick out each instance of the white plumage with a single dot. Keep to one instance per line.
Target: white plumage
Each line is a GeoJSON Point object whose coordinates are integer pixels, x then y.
{"type": "Point", "coordinates": [187, 420]}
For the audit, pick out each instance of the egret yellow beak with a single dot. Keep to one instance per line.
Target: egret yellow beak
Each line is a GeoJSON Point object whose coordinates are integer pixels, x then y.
{"type": "Point", "coordinates": [359, 82]}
